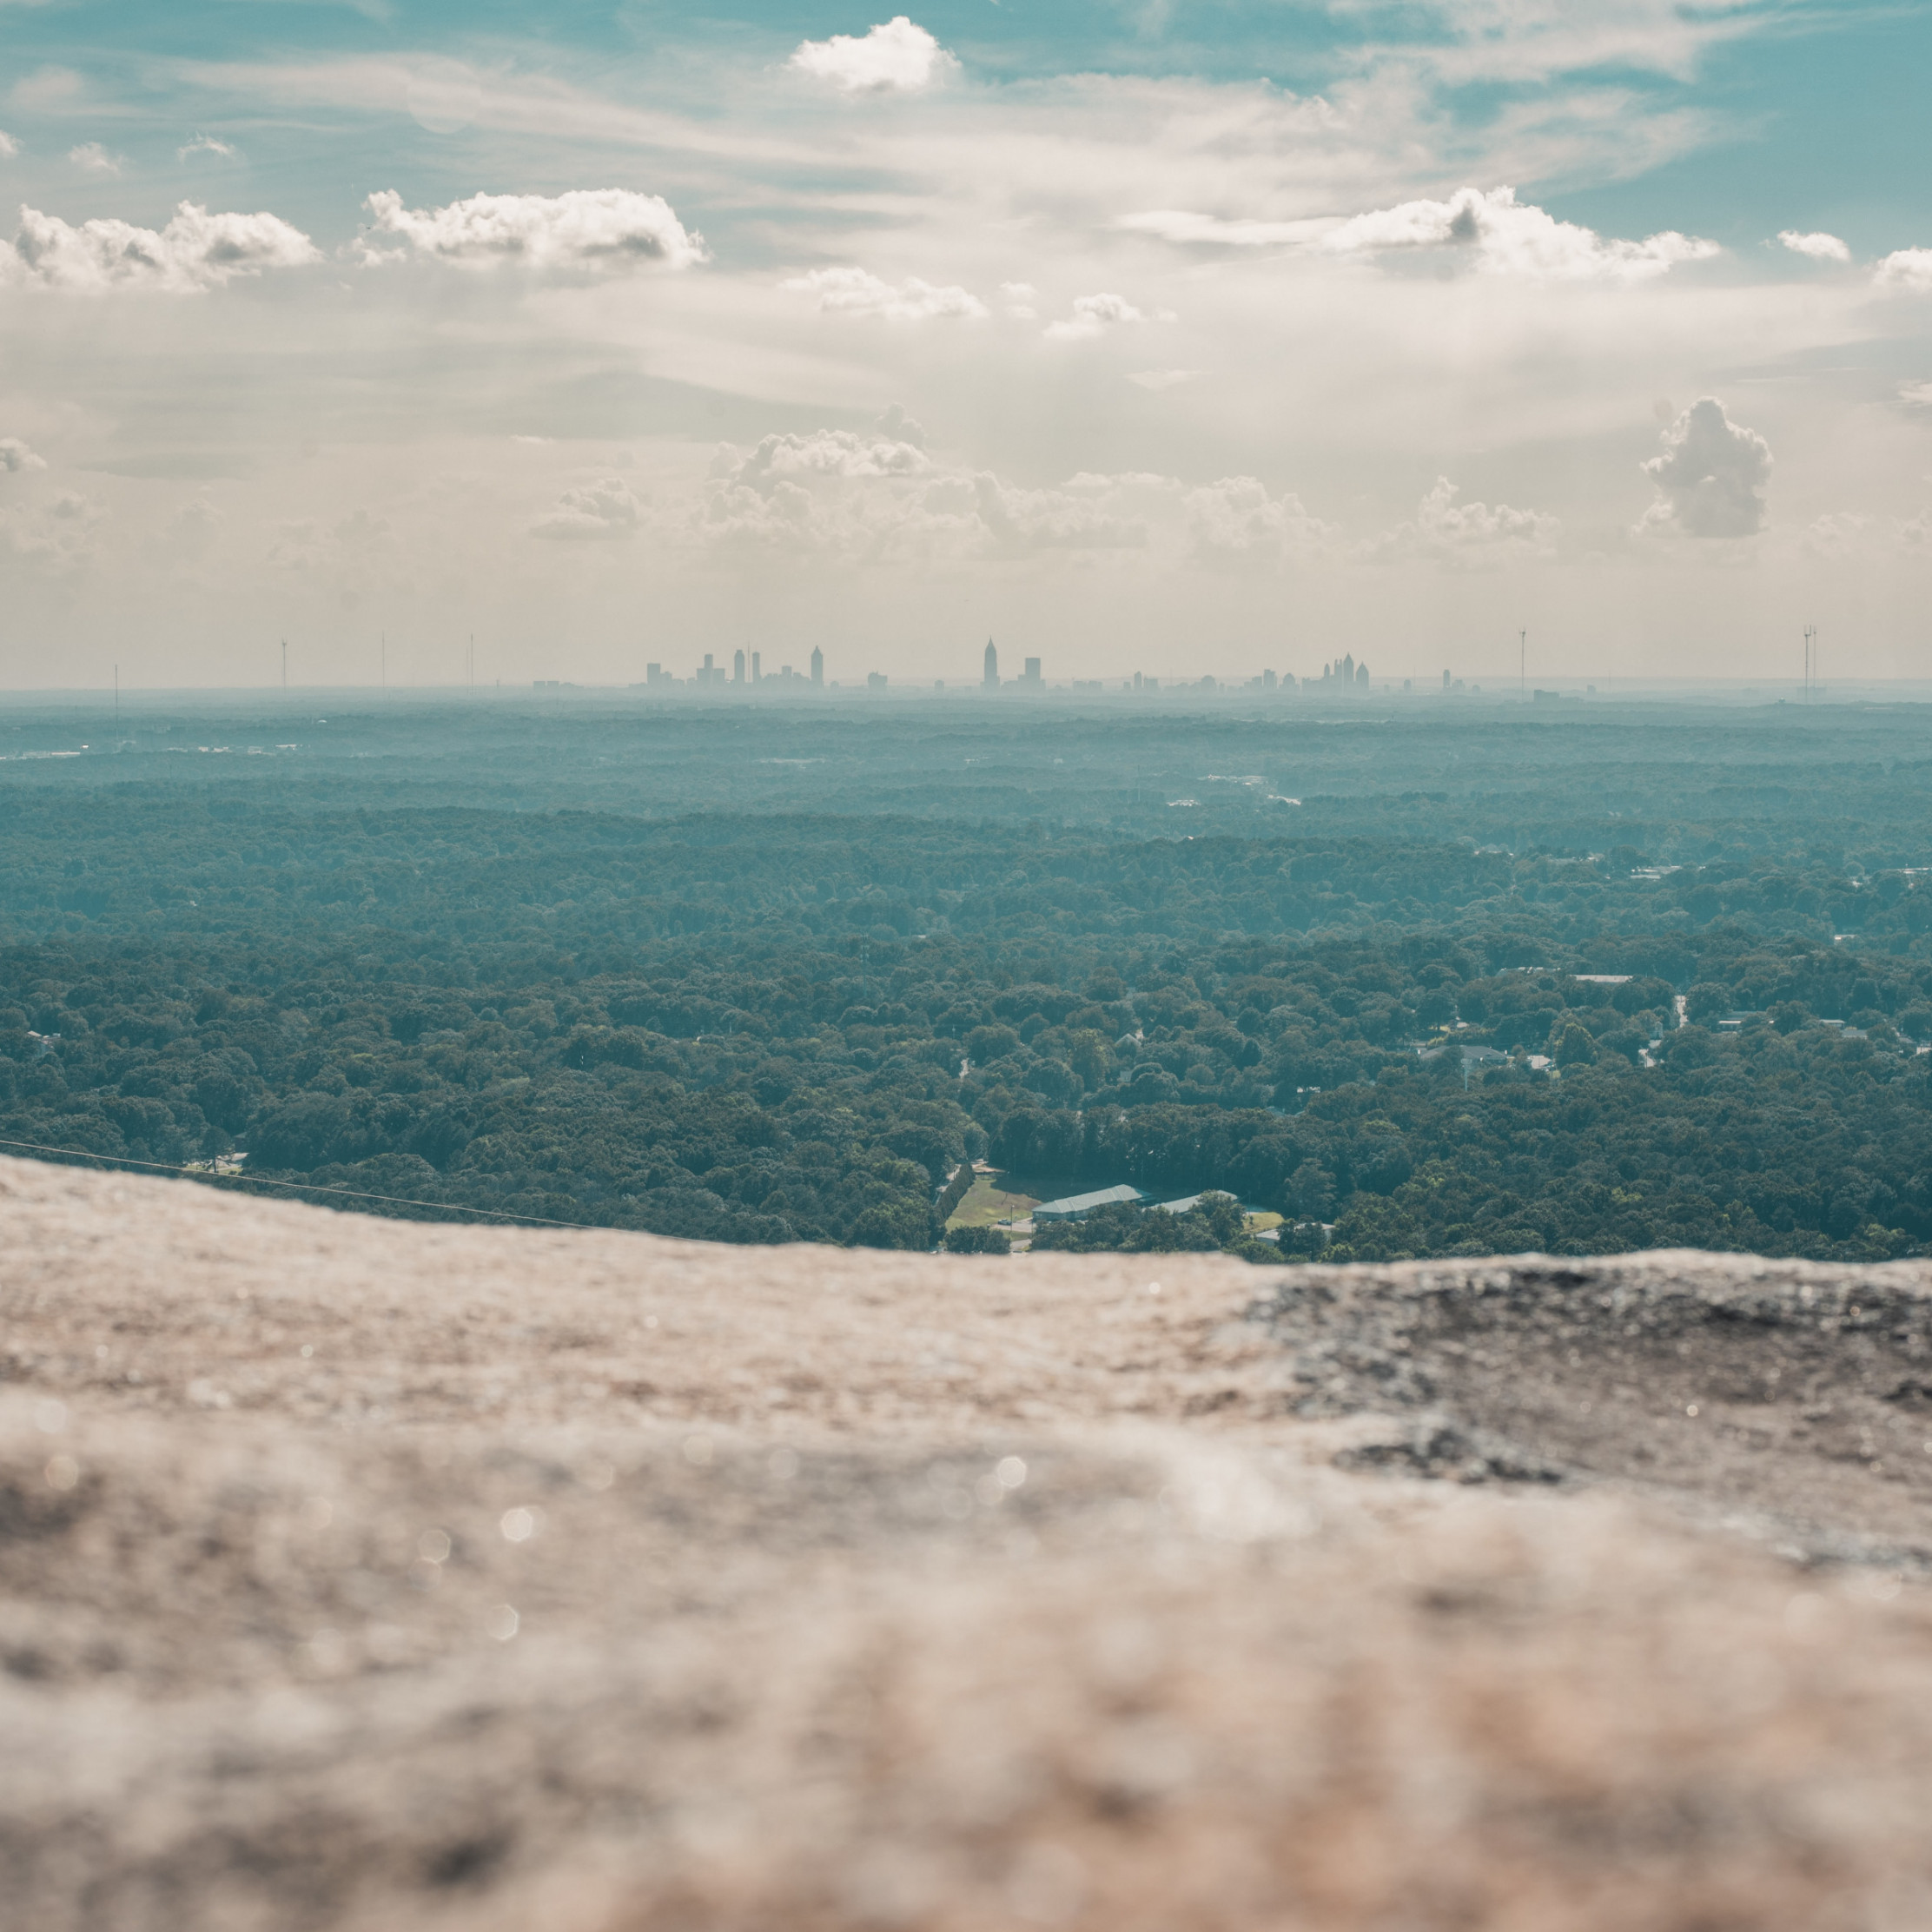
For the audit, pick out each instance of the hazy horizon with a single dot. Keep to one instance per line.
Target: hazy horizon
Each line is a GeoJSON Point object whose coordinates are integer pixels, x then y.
{"type": "Point", "coordinates": [1243, 336]}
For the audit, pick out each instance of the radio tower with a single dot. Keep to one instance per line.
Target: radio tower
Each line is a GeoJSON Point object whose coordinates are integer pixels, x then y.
{"type": "Point", "coordinates": [1811, 658]}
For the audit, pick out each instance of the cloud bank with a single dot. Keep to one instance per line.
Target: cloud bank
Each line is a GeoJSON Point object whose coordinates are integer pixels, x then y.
{"type": "Point", "coordinates": [195, 251]}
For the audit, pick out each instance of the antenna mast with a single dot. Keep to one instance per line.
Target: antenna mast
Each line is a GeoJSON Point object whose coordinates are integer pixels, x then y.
{"type": "Point", "coordinates": [285, 664]}
{"type": "Point", "coordinates": [1811, 658]}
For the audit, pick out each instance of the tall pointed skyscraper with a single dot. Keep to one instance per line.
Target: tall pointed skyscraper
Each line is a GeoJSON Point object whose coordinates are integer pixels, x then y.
{"type": "Point", "coordinates": [990, 679]}
{"type": "Point", "coordinates": [818, 665]}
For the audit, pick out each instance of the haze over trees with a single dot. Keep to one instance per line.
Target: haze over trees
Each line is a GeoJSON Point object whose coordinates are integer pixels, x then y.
{"type": "Point", "coordinates": [771, 974]}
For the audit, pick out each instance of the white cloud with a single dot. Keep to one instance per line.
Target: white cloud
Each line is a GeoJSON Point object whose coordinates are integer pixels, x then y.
{"type": "Point", "coordinates": [1177, 225]}
{"type": "Point", "coordinates": [1908, 269]}
{"type": "Point", "coordinates": [1468, 533]}
{"type": "Point", "coordinates": [8, 146]}
{"type": "Point", "coordinates": [831, 452]}
{"type": "Point", "coordinates": [1504, 236]}
{"type": "Point", "coordinates": [1819, 247]}
{"type": "Point", "coordinates": [206, 144]}
{"type": "Point", "coordinates": [896, 57]}
{"type": "Point", "coordinates": [93, 159]}
{"type": "Point", "coordinates": [197, 250]}
{"type": "Point", "coordinates": [1164, 379]}
{"type": "Point", "coordinates": [843, 497]}
{"type": "Point", "coordinates": [586, 230]}
{"type": "Point", "coordinates": [16, 456]}
{"type": "Point", "coordinates": [1711, 478]}
{"type": "Point", "coordinates": [1093, 315]}
{"type": "Point", "coordinates": [596, 511]}
{"type": "Point", "coordinates": [1915, 395]}
{"type": "Point", "coordinates": [1236, 521]}
{"type": "Point", "coordinates": [856, 292]}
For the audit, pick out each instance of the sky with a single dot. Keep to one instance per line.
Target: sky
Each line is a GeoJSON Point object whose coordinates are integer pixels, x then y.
{"type": "Point", "coordinates": [1167, 337]}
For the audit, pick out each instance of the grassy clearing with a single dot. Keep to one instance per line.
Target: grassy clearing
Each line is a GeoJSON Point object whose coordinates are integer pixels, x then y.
{"type": "Point", "coordinates": [996, 1197]}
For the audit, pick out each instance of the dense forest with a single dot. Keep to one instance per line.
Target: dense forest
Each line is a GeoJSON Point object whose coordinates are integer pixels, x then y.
{"type": "Point", "coordinates": [1403, 1033]}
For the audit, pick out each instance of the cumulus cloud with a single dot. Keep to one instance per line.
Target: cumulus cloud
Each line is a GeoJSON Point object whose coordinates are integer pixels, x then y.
{"type": "Point", "coordinates": [16, 456]}
{"type": "Point", "coordinates": [91, 158]}
{"type": "Point", "coordinates": [585, 231]}
{"type": "Point", "coordinates": [831, 452]}
{"type": "Point", "coordinates": [1711, 478]}
{"type": "Point", "coordinates": [1907, 268]}
{"type": "Point", "coordinates": [856, 292]}
{"type": "Point", "coordinates": [1093, 315]}
{"type": "Point", "coordinates": [874, 498]}
{"type": "Point", "coordinates": [594, 511]}
{"type": "Point", "coordinates": [206, 144]}
{"type": "Point", "coordinates": [8, 146]}
{"type": "Point", "coordinates": [1915, 395]}
{"type": "Point", "coordinates": [1819, 247]}
{"type": "Point", "coordinates": [1236, 521]}
{"type": "Point", "coordinates": [895, 57]}
{"type": "Point", "coordinates": [1457, 533]}
{"type": "Point", "coordinates": [197, 250]}
{"type": "Point", "coordinates": [1018, 298]}
{"type": "Point", "coordinates": [1504, 236]}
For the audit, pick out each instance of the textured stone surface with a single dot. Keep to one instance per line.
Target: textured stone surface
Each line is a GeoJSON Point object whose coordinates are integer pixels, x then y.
{"type": "Point", "coordinates": [858, 1590]}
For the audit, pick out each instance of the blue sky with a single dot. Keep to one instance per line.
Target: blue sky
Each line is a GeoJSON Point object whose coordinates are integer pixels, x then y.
{"type": "Point", "coordinates": [1151, 330]}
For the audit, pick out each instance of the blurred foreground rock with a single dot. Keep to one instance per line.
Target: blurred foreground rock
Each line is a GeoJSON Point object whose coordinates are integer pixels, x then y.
{"type": "Point", "coordinates": [356, 1574]}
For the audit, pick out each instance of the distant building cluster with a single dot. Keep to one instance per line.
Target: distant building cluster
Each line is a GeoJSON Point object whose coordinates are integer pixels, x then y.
{"type": "Point", "coordinates": [1342, 677]}
{"type": "Point", "coordinates": [745, 673]}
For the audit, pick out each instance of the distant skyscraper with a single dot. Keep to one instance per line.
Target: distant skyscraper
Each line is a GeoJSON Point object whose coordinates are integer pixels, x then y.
{"type": "Point", "coordinates": [1348, 669]}
{"type": "Point", "coordinates": [818, 665]}
{"type": "Point", "coordinates": [1031, 675]}
{"type": "Point", "coordinates": [990, 678]}
{"type": "Point", "coordinates": [1361, 676]}
{"type": "Point", "coordinates": [738, 668]}
{"type": "Point", "coordinates": [756, 672]}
